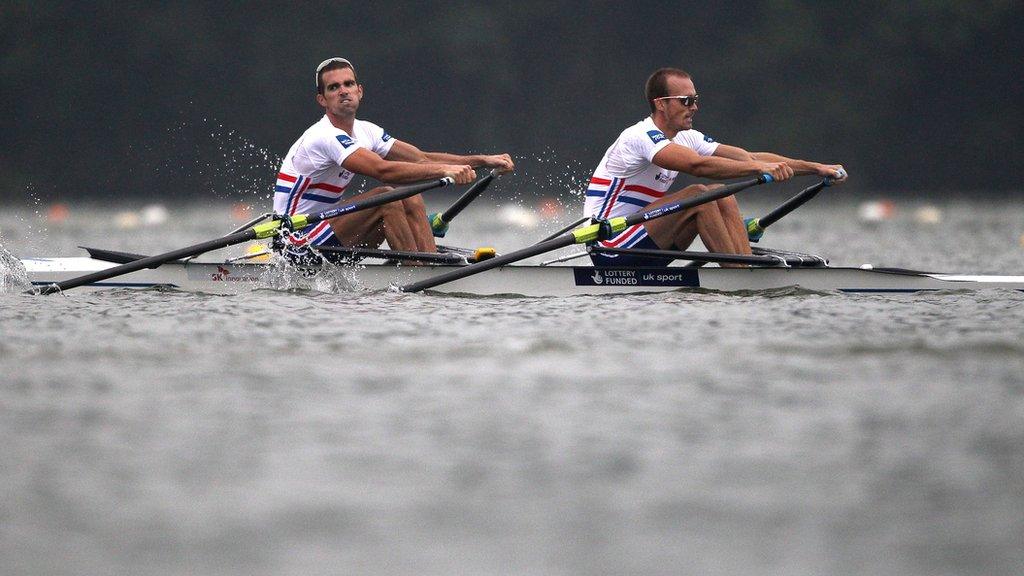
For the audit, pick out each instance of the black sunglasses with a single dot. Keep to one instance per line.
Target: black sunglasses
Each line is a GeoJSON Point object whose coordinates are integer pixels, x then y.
{"type": "Point", "coordinates": [684, 100]}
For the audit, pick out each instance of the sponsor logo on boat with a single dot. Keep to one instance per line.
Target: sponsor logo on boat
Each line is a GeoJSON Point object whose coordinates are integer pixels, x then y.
{"type": "Point", "coordinates": [586, 276]}
{"type": "Point", "coordinates": [221, 274]}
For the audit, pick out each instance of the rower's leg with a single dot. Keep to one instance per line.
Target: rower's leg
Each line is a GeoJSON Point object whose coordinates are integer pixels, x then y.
{"type": "Point", "coordinates": [370, 227]}
{"type": "Point", "coordinates": [416, 216]}
{"type": "Point", "coordinates": [733, 219]}
{"type": "Point", "coordinates": [679, 230]}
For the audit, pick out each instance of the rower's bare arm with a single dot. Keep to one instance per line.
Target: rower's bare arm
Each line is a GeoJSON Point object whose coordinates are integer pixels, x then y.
{"type": "Point", "coordinates": [408, 153]}
{"type": "Point", "coordinates": [367, 163]}
{"type": "Point", "coordinates": [834, 171]}
{"type": "Point", "coordinates": [800, 167]}
{"type": "Point", "coordinates": [683, 159]}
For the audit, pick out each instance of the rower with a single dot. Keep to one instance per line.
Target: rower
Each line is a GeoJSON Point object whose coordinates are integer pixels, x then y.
{"type": "Point", "coordinates": [323, 161]}
{"type": "Point", "coordinates": [640, 166]}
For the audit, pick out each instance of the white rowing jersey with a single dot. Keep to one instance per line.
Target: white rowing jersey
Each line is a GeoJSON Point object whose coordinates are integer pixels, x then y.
{"type": "Point", "coordinates": [312, 179]}
{"type": "Point", "coordinates": [627, 180]}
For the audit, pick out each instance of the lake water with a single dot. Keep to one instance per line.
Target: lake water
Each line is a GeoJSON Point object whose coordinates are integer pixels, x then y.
{"type": "Point", "coordinates": [780, 432]}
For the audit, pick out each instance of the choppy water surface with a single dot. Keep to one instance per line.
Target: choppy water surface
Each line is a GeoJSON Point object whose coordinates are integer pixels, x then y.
{"type": "Point", "coordinates": [781, 432]}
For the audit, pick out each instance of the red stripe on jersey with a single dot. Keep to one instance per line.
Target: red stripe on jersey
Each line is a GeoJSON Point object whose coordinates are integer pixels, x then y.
{"type": "Point", "coordinates": [645, 190]}
{"type": "Point", "coordinates": [611, 202]}
{"type": "Point", "coordinates": [622, 237]}
{"type": "Point", "coordinates": [600, 181]}
{"type": "Point", "coordinates": [286, 177]}
{"type": "Point", "coordinates": [295, 201]}
{"type": "Point", "coordinates": [328, 187]}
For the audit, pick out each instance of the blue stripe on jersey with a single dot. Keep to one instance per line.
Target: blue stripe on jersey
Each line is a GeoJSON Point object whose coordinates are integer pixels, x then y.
{"type": "Point", "coordinates": [324, 236]}
{"type": "Point", "coordinates": [637, 239]}
{"type": "Point", "coordinates": [633, 201]}
{"type": "Point", "coordinates": [318, 198]}
{"type": "Point", "coordinates": [291, 195]}
{"type": "Point", "coordinates": [608, 196]}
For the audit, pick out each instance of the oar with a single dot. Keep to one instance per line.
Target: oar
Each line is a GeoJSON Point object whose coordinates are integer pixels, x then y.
{"type": "Point", "coordinates": [439, 220]}
{"type": "Point", "coordinates": [586, 234]}
{"type": "Point", "coordinates": [265, 230]}
{"type": "Point", "coordinates": [756, 226]}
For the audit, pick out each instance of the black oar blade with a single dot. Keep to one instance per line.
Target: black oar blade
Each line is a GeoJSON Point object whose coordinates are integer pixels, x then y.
{"type": "Point", "coordinates": [112, 255]}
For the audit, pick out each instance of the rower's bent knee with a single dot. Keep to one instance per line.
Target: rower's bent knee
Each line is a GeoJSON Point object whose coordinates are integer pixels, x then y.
{"type": "Point", "coordinates": [414, 204]}
{"type": "Point", "coordinates": [729, 204]}
{"type": "Point", "coordinates": [391, 209]}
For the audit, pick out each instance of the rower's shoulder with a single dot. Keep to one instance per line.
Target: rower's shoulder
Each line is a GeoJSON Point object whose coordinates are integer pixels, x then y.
{"type": "Point", "coordinates": [644, 133]}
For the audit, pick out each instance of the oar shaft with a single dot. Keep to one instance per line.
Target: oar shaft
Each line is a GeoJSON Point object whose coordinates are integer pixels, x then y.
{"type": "Point", "coordinates": [536, 249]}
{"type": "Point", "coordinates": [716, 194]}
{"type": "Point", "coordinates": [791, 204]}
{"type": "Point", "coordinates": [380, 199]}
{"type": "Point", "coordinates": [705, 256]}
{"type": "Point", "coordinates": [474, 191]}
{"type": "Point", "coordinates": [151, 261]}
{"type": "Point", "coordinates": [391, 254]}
{"type": "Point", "coordinates": [264, 230]}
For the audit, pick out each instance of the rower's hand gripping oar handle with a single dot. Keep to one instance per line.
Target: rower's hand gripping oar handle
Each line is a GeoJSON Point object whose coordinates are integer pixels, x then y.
{"type": "Point", "coordinates": [439, 220]}
{"type": "Point", "coordinates": [756, 226]}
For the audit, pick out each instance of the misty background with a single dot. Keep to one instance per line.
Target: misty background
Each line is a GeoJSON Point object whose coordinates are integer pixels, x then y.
{"type": "Point", "coordinates": [188, 100]}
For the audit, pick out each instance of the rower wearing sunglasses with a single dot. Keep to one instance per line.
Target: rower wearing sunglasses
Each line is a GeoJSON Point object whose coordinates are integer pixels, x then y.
{"type": "Point", "coordinates": [324, 160]}
{"type": "Point", "coordinates": [640, 167]}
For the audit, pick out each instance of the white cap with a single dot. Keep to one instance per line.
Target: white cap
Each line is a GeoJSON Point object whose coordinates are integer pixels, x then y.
{"type": "Point", "coordinates": [316, 77]}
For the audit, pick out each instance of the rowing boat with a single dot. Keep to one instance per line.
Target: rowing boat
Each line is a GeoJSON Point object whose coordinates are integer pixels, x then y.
{"type": "Point", "coordinates": [226, 277]}
{"type": "Point", "coordinates": [765, 269]}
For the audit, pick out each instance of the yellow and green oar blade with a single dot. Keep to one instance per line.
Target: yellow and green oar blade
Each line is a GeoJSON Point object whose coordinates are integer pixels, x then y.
{"type": "Point", "coordinates": [265, 230]}
{"type": "Point", "coordinates": [584, 235]}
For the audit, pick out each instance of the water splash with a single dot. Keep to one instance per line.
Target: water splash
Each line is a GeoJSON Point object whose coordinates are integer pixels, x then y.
{"type": "Point", "coordinates": [281, 274]}
{"type": "Point", "coordinates": [13, 275]}
{"type": "Point", "coordinates": [217, 159]}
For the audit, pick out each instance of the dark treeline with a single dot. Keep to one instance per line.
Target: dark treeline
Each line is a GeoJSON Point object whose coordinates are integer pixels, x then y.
{"type": "Point", "coordinates": [102, 99]}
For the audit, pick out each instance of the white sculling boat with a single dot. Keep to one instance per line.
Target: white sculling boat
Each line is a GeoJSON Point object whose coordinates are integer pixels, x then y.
{"type": "Point", "coordinates": [457, 272]}
{"type": "Point", "coordinates": [527, 280]}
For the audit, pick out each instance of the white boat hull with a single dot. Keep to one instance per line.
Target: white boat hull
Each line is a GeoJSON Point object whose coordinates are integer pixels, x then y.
{"type": "Point", "coordinates": [228, 278]}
